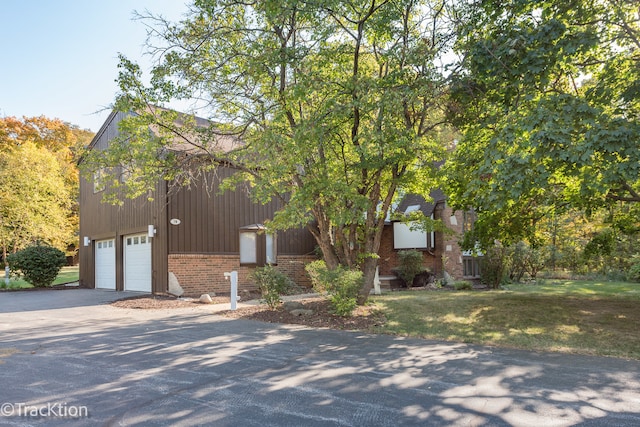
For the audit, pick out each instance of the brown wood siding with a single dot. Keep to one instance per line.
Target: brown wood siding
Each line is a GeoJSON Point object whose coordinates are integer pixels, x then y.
{"type": "Point", "coordinates": [100, 221]}
{"type": "Point", "coordinates": [210, 221]}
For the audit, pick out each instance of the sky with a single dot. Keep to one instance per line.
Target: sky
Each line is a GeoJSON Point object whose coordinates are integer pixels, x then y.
{"type": "Point", "coordinates": [59, 58]}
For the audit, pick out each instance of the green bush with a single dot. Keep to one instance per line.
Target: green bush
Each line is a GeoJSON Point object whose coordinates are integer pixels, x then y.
{"type": "Point", "coordinates": [518, 255]}
{"type": "Point", "coordinates": [633, 275]}
{"type": "Point", "coordinates": [39, 265]}
{"type": "Point", "coordinates": [521, 258]}
{"type": "Point", "coordinates": [463, 285]}
{"type": "Point", "coordinates": [314, 270]}
{"type": "Point", "coordinates": [273, 284]}
{"type": "Point", "coordinates": [342, 286]}
{"type": "Point", "coordinates": [493, 267]}
{"type": "Point", "coordinates": [410, 265]}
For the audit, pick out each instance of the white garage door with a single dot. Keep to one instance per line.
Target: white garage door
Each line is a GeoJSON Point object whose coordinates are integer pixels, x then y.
{"type": "Point", "coordinates": [106, 264]}
{"type": "Point", "coordinates": [137, 263]}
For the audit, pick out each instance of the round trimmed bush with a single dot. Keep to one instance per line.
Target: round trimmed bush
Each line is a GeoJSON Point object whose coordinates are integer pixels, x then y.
{"type": "Point", "coordinates": [39, 265]}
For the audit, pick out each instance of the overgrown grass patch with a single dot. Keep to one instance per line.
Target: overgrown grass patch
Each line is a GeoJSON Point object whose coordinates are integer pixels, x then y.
{"type": "Point", "coordinates": [597, 318]}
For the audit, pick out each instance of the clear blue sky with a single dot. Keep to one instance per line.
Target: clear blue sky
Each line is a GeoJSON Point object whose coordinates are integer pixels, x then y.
{"type": "Point", "coordinates": [58, 58]}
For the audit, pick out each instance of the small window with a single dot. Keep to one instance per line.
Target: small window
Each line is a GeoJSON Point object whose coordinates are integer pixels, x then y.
{"type": "Point", "coordinates": [432, 238]}
{"type": "Point", "coordinates": [248, 247]}
{"type": "Point", "coordinates": [125, 174]}
{"type": "Point", "coordinates": [110, 243]}
{"type": "Point", "coordinates": [129, 241]}
{"type": "Point", "coordinates": [135, 240]}
{"type": "Point", "coordinates": [99, 245]}
{"type": "Point", "coordinates": [99, 181]}
{"type": "Point", "coordinates": [469, 218]}
{"type": "Point", "coordinates": [271, 249]}
{"type": "Point", "coordinates": [143, 240]}
{"type": "Point", "coordinates": [257, 247]}
{"type": "Point", "coordinates": [471, 266]}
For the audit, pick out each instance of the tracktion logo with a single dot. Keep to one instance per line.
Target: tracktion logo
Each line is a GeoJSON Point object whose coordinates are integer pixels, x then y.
{"type": "Point", "coordinates": [46, 410]}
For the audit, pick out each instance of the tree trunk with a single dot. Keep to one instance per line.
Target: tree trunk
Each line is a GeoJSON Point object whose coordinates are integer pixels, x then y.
{"type": "Point", "coordinates": [368, 274]}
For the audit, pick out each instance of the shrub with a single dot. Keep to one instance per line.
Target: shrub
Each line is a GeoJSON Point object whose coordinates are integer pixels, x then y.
{"type": "Point", "coordinates": [633, 275]}
{"type": "Point", "coordinates": [39, 265]}
{"type": "Point", "coordinates": [273, 284]}
{"type": "Point", "coordinates": [493, 266]}
{"type": "Point", "coordinates": [518, 255]}
{"type": "Point", "coordinates": [314, 270]}
{"type": "Point", "coordinates": [463, 285]}
{"type": "Point", "coordinates": [410, 265]}
{"type": "Point", "coordinates": [341, 284]}
{"type": "Point", "coordinates": [521, 258]}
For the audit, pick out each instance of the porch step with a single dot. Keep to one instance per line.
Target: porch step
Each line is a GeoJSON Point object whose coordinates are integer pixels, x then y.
{"type": "Point", "coordinates": [385, 283]}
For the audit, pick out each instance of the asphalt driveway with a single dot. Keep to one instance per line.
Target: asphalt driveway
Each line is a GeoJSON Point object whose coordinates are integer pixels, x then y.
{"type": "Point", "coordinates": [67, 358]}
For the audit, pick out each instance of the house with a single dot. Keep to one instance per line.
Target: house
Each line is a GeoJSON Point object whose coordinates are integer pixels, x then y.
{"type": "Point", "coordinates": [185, 239]}
{"type": "Point", "coordinates": [441, 251]}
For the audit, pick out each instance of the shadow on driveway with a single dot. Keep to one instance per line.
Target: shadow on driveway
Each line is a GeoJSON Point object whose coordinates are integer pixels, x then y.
{"type": "Point", "coordinates": [49, 299]}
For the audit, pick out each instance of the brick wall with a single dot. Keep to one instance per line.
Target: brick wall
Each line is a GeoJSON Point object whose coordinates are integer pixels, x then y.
{"type": "Point", "coordinates": [446, 244]}
{"type": "Point", "coordinates": [389, 256]}
{"type": "Point", "coordinates": [200, 274]}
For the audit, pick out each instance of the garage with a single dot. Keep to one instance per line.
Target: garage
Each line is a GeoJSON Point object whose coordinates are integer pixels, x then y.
{"type": "Point", "coordinates": [105, 264]}
{"type": "Point", "coordinates": [137, 263]}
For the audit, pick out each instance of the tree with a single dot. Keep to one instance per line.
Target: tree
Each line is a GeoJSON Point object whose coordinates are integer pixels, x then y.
{"type": "Point", "coordinates": [548, 104]}
{"type": "Point", "coordinates": [338, 105]}
{"type": "Point", "coordinates": [35, 201]}
{"type": "Point", "coordinates": [39, 181]}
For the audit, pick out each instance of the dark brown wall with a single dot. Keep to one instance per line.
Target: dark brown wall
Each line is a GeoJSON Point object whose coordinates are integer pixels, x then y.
{"type": "Point", "coordinates": [101, 221]}
{"type": "Point", "coordinates": [210, 221]}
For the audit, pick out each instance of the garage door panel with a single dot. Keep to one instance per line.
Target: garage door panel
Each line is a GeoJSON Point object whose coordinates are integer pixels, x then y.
{"type": "Point", "coordinates": [137, 263]}
{"type": "Point", "coordinates": [105, 264]}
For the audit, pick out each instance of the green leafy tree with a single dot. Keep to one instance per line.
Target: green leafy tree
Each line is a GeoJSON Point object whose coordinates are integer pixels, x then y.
{"type": "Point", "coordinates": [548, 101]}
{"type": "Point", "coordinates": [39, 181]}
{"type": "Point", "coordinates": [338, 105]}
{"type": "Point", "coordinates": [35, 201]}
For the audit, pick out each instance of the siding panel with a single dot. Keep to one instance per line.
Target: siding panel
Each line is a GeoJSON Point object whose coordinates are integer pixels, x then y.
{"type": "Point", "coordinates": [99, 220]}
{"type": "Point", "coordinates": [210, 221]}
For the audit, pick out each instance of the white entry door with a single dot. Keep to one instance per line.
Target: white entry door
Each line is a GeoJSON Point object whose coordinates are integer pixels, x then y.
{"type": "Point", "coordinates": [105, 263]}
{"type": "Point", "coordinates": [137, 263]}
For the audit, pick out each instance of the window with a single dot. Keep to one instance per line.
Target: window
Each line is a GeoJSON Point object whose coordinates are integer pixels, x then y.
{"type": "Point", "coordinates": [98, 181]}
{"type": "Point", "coordinates": [248, 247]}
{"type": "Point", "coordinates": [271, 250]}
{"type": "Point", "coordinates": [257, 247]}
{"type": "Point", "coordinates": [471, 266]}
{"type": "Point", "coordinates": [408, 236]}
{"type": "Point", "coordinates": [469, 218]}
{"type": "Point", "coordinates": [125, 174]}
{"type": "Point", "coordinates": [432, 237]}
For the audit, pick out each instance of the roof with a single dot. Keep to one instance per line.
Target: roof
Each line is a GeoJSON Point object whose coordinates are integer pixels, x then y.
{"type": "Point", "coordinates": [415, 202]}
{"type": "Point", "coordinates": [187, 143]}
{"type": "Point", "coordinates": [190, 143]}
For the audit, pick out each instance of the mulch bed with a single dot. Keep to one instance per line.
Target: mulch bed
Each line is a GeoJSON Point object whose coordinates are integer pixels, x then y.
{"type": "Point", "coordinates": [156, 302]}
{"type": "Point", "coordinates": [364, 318]}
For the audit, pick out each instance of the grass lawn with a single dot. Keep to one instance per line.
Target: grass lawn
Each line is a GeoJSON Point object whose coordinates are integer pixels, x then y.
{"type": "Point", "coordinates": [66, 275]}
{"type": "Point", "coordinates": [587, 317]}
